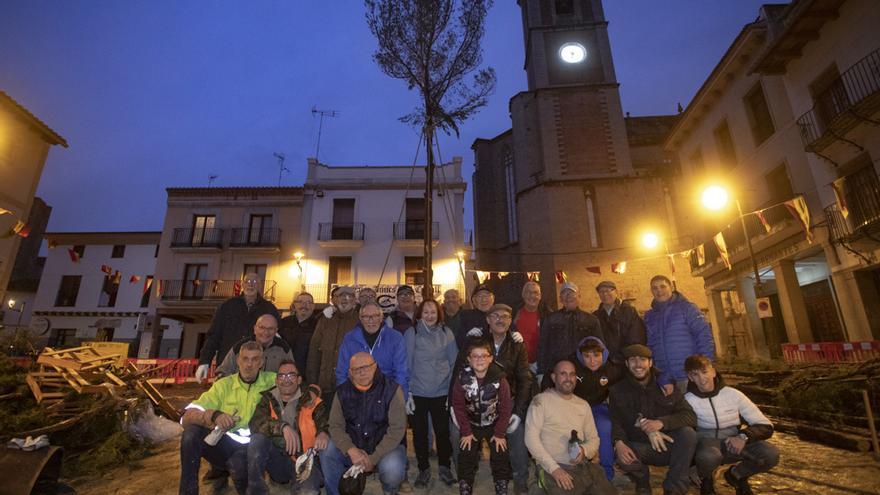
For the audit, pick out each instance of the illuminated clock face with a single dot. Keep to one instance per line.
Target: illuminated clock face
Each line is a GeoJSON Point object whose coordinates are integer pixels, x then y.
{"type": "Point", "coordinates": [573, 53]}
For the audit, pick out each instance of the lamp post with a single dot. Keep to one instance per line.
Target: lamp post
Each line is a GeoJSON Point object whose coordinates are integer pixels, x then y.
{"type": "Point", "coordinates": [11, 304]}
{"type": "Point", "coordinates": [298, 257]}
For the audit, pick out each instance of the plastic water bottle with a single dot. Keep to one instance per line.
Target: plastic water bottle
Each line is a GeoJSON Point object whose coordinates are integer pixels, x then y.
{"type": "Point", "coordinates": [574, 446]}
{"type": "Point", "coordinates": [215, 436]}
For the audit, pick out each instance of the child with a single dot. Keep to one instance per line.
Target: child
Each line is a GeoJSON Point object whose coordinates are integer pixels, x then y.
{"type": "Point", "coordinates": [481, 406]}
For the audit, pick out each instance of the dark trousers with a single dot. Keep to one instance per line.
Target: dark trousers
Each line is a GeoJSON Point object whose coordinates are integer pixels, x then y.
{"type": "Point", "coordinates": [588, 479]}
{"type": "Point", "coordinates": [227, 452]}
{"type": "Point", "coordinates": [264, 455]}
{"type": "Point", "coordinates": [677, 457]}
{"type": "Point", "coordinates": [756, 457]}
{"type": "Point", "coordinates": [469, 459]}
{"type": "Point", "coordinates": [439, 416]}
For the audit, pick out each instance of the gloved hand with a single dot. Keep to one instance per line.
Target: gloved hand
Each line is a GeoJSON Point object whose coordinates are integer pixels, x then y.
{"type": "Point", "coordinates": [658, 440]}
{"type": "Point", "coordinates": [513, 424]}
{"type": "Point", "coordinates": [202, 372]}
{"type": "Point", "coordinates": [329, 310]}
{"type": "Point", "coordinates": [410, 405]}
{"type": "Point", "coordinates": [517, 337]}
{"type": "Point", "coordinates": [304, 463]}
{"type": "Point", "coordinates": [475, 332]}
{"type": "Point", "coordinates": [353, 471]}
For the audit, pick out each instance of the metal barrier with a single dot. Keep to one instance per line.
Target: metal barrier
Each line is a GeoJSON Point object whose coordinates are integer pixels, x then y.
{"type": "Point", "coordinates": [170, 370]}
{"type": "Point", "coordinates": [830, 352]}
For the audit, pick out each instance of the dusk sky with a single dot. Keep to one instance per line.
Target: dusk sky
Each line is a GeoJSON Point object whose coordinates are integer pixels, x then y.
{"type": "Point", "coordinates": [166, 93]}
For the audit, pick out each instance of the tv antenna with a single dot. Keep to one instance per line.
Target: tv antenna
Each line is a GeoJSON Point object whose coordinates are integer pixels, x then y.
{"type": "Point", "coordinates": [322, 113]}
{"type": "Point", "coordinates": [211, 179]}
{"type": "Point", "coordinates": [281, 167]}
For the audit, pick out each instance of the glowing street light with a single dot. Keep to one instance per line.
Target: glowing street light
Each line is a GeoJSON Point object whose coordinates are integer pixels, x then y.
{"type": "Point", "coordinates": [715, 197]}
{"type": "Point", "coordinates": [650, 240]}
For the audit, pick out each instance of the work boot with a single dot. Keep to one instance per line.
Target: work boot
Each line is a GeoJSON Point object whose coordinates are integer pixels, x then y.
{"type": "Point", "coordinates": [500, 487]}
{"type": "Point", "coordinates": [446, 476]}
{"type": "Point", "coordinates": [740, 484]}
{"type": "Point", "coordinates": [707, 486]}
{"type": "Point", "coordinates": [423, 478]}
{"type": "Point", "coordinates": [465, 488]}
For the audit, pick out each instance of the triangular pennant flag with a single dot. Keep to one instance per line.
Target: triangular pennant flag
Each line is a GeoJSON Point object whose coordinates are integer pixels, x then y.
{"type": "Point", "coordinates": [74, 256]}
{"type": "Point", "coordinates": [671, 258]}
{"type": "Point", "coordinates": [482, 276]}
{"type": "Point", "coordinates": [534, 276]}
{"type": "Point", "coordinates": [837, 186]}
{"type": "Point", "coordinates": [701, 255]}
{"type": "Point", "coordinates": [134, 279]}
{"type": "Point", "coordinates": [722, 249]}
{"type": "Point", "coordinates": [595, 269]}
{"type": "Point", "coordinates": [503, 274]}
{"type": "Point", "coordinates": [21, 228]}
{"type": "Point", "coordinates": [51, 243]}
{"type": "Point", "coordinates": [560, 277]}
{"type": "Point", "coordinates": [159, 288]}
{"type": "Point", "coordinates": [4, 211]}
{"type": "Point", "coordinates": [148, 283]}
{"type": "Point", "coordinates": [798, 208]}
{"type": "Point", "coordinates": [106, 269]}
{"type": "Point", "coordinates": [764, 222]}
{"type": "Point", "coordinates": [236, 287]}
{"type": "Point", "coordinates": [196, 283]}
{"type": "Point", "coordinates": [215, 285]}
{"type": "Point", "coordinates": [619, 268]}
{"type": "Point", "coordinates": [117, 277]}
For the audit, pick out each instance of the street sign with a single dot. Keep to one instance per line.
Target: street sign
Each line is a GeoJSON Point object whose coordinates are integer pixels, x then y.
{"type": "Point", "coordinates": [764, 308]}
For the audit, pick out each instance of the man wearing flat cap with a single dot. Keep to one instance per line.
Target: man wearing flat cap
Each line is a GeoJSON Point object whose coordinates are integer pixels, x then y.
{"type": "Point", "coordinates": [620, 322]}
{"type": "Point", "coordinates": [482, 298]}
{"type": "Point", "coordinates": [649, 427]}
{"type": "Point", "coordinates": [324, 347]}
{"type": "Point", "coordinates": [565, 329]}
{"type": "Point", "coordinates": [402, 318]}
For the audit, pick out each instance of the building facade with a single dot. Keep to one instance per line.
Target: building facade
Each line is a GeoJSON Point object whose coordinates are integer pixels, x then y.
{"type": "Point", "coordinates": [21, 291]}
{"type": "Point", "coordinates": [24, 146]}
{"type": "Point", "coordinates": [211, 238]}
{"type": "Point", "coordinates": [574, 184]}
{"type": "Point", "coordinates": [96, 286]}
{"type": "Point", "coordinates": [365, 226]}
{"type": "Point", "coordinates": [749, 128]}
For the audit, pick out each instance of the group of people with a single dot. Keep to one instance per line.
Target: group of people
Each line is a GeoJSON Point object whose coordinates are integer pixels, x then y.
{"type": "Point", "coordinates": [322, 398]}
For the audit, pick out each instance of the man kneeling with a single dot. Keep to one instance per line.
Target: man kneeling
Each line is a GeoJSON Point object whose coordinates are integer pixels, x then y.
{"type": "Point", "coordinates": [367, 423]}
{"type": "Point", "coordinates": [721, 411]}
{"type": "Point", "coordinates": [226, 407]}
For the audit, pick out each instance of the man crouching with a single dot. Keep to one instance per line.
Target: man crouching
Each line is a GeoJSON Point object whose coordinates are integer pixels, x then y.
{"type": "Point", "coordinates": [226, 408]}
{"type": "Point", "coordinates": [721, 439]}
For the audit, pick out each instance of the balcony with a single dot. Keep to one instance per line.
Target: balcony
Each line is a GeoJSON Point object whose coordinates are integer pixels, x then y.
{"type": "Point", "coordinates": [208, 290]}
{"type": "Point", "coordinates": [341, 234]}
{"type": "Point", "coordinates": [197, 238]}
{"type": "Point", "coordinates": [852, 98]}
{"type": "Point", "coordinates": [412, 233]}
{"type": "Point", "coordinates": [862, 194]}
{"type": "Point", "coordinates": [256, 239]}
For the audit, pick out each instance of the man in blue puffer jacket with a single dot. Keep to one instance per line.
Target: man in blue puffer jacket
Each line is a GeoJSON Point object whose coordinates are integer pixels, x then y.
{"type": "Point", "coordinates": [384, 344]}
{"type": "Point", "coordinates": [676, 330]}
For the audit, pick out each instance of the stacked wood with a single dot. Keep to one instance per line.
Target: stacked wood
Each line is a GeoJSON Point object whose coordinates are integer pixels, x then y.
{"type": "Point", "coordinates": [85, 370]}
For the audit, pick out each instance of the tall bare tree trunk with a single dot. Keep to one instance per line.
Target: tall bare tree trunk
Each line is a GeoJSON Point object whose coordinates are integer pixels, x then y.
{"type": "Point", "coordinates": [428, 289]}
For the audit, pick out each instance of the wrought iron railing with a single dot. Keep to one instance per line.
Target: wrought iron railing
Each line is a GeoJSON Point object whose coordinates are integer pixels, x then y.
{"type": "Point", "coordinates": [861, 192]}
{"type": "Point", "coordinates": [197, 237]}
{"type": "Point", "coordinates": [341, 231]}
{"type": "Point", "coordinates": [414, 230]}
{"type": "Point", "coordinates": [255, 238]}
{"type": "Point", "coordinates": [208, 290]}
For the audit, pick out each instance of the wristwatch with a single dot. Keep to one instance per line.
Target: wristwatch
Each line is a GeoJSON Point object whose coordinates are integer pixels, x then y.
{"type": "Point", "coordinates": [744, 437]}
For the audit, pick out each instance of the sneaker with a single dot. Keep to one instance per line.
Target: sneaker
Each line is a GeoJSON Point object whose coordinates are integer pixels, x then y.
{"type": "Point", "coordinates": [740, 484]}
{"type": "Point", "coordinates": [446, 476]}
{"type": "Point", "coordinates": [405, 487]}
{"type": "Point", "coordinates": [423, 478]}
{"type": "Point", "coordinates": [707, 486]}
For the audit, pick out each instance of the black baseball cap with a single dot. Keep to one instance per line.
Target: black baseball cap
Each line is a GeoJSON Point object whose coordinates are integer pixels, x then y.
{"type": "Point", "coordinates": [480, 287]}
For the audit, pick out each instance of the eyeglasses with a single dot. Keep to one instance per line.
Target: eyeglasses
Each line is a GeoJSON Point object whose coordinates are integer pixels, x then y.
{"type": "Point", "coordinates": [251, 281]}
{"type": "Point", "coordinates": [371, 317]}
{"type": "Point", "coordinates": [287, 377]}
{"type": "Point", "coordinates": [497, 317]}
{"type": "Point", "coordinates": [362, 369]}
{"type": "Point", "coordinates": [480, 357]}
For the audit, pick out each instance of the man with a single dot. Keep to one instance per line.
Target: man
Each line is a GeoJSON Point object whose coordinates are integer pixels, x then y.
{"type": "Point", "coordinates": [511, 356]}
{"type": "Point", "coordinates": [227, 405]}
{"type": "Point", "coordinates": [275, 349]}
{"type": "Point", "coordinates": [721, 411]}
{"type": "Point", "coordinates": [676, 330]}
{"type": "Point", "coordinates": [565, 329]}
{"type": "Point", "coordinates": [402, 318]}
{"type": "Point", "coordinates": [232, 322]}
{"type": "Point", "coordinates": [367, 424]}
{"type": "Point", "coordinates": [644, 418]}
{"type": "Point", "coordinates": [386, 346]}
{"type": "Point", "coordinates": [620, 322]}
{"type": "Point", "coordinates": [527, 319]}
{"type": "Point", "coordinates": [298, 328]}
{"type": "Point", "coordinates": [324, 347]}
{"type": "Point", "coordinates": [475, 319]}
{"type": "Point", "coordinates": [275, 436]}
{"type": "Point", "coordinates": [365, 295]}
{"type": "Point", "coordinates": [452, 310]}
{"type": "Point", "coordinates": [553, 415]}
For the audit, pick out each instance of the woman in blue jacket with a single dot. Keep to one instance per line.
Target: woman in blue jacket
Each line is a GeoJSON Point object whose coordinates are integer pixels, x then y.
{"type": "Point", "coordinates": [676, 329]}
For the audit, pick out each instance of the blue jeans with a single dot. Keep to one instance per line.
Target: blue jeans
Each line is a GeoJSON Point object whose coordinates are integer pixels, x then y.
{"type": "Point", "coordinates": [227, 452]}
{"type": "Point", "coordinates": [606, 447]}
{"type": "Point", "coordinates": [263, 454]}
{"type": "Point", "coordinates": [392, 468]}
{"type": "Point", "coordinates": [678, 458]}
{"type": "Point", "coordinates": [519, 455]}
{"type": "Point", "coordinates": [756, 457]}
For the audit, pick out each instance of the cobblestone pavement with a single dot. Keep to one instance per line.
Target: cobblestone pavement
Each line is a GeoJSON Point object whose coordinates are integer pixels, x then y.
{"type": "Point", "coordinates": [805, 469]}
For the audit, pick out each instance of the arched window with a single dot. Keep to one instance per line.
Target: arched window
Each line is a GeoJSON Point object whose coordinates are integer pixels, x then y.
{"type": "Point", "coordinates": [510, 190]}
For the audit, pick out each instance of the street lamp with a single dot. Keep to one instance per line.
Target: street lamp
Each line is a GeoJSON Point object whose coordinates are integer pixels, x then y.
{"type": "Point", "coordinates": [715, 197]}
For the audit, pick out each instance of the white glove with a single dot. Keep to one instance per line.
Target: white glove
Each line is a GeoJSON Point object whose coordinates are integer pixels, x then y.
{"type": "Point", "coordinates": [353, 471]}
{"type": "Point", "coordinates": [304, 463]}
{"type": "Point", "coordinates": [475, 332]}
{"type": "Point", "coordinates": [517, 337]}
{"type": "Point", "coordinates": [658, 440]}
{"type": "Point", "coordinates": [513, 424]}
{"type": "Point", "coordinates": [329, 310]}
{"type": "Point", "coordinates": [202, 372]}
{"type": "Point", "coordinates": [410, 405]}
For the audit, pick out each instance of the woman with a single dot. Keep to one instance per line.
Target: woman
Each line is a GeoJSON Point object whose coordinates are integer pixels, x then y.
{"type": "Point", "coordinates": [431, 351]}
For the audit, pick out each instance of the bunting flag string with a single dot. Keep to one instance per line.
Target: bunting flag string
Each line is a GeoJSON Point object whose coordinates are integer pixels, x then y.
{"type": "Point", "coordinates": [618, 268]}
{"type": "Point", "coordinates": [595, 269]}
{"type": "Point", "coordinates": [837, 186]}
{"type": "Point", "coordinates": [74, 256]}
{"type": "Point", "coordinates": [798, 208]}
{"type": "Point", "coordinates": [159, 288]}
{"type": "Point", "coordinates": [763, 220]}
{"type": "Point", "coordinates": [4, 211]}
{"type": "Point", "coordinates": [134, 279]}
{"type": "Point", "coordinates": [722, 249]}
{"type": "Point", "coordinates": [148, 284]}
{"type": "Point", "coordinates": [106, 269]}
{"type": "Point", "coordinates": [561, 277]}
{"type": "Point", "coordinates": [117, 277]}
{"type": "Point", "coordinates": [21, 228]}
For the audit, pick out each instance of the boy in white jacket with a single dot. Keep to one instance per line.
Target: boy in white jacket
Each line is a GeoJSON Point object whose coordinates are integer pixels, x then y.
{"type": "Point", "coordinates": [722, 439]}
